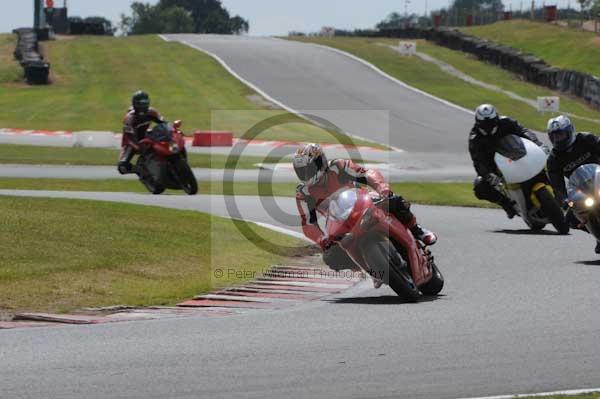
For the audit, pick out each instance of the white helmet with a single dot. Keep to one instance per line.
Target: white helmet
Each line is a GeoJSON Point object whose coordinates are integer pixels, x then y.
{"type": "Point", "coordinates": [486, 119]}
{"type": "Point", "coordinates": [310, 163]}
{"type": "Point", "coordinates": [561, 133]}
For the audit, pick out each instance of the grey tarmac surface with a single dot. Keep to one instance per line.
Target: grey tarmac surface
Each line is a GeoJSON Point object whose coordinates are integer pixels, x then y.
{"type": "Point", "coordinates": [397, 172]}
{"type": "Point", "coordinates": [320, 82]}
{"type": "Point", "coordinates": [518, 314]}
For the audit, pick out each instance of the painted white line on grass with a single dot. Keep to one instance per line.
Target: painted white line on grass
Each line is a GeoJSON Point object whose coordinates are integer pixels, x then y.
{"type": "Point", "coordinates": [542, 394]}
{"type": "Point", "coordinates": [267, 96]}
{"type": "Point", "coordinates": [283, 230]}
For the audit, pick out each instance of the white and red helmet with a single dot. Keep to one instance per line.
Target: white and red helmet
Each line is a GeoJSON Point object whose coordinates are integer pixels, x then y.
{"type": "Point", "coordinates": [310, 163]}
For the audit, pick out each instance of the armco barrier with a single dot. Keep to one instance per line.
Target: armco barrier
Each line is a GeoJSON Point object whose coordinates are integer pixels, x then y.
{"type": "Point", "coordinates": [36, 70]}
{"type": "Point", "coordinates": [530, 67]}
{"type": "Point", "coordinates": [212, 139]}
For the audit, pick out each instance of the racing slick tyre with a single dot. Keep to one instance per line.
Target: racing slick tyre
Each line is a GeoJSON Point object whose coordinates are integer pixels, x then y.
{"type": "Point", "coordinates": [552, 210]}
{"type": "Point", "coordinates": [386, 263]}
{"type": "Point", "coordinates": [435, 285]}
{"type": "Point", "coordinates": [184, 175]}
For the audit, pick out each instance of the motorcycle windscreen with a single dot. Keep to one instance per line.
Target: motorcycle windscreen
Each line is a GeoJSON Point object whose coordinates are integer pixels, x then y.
{"type": "Point", "coordinates": [584, 182]}
{"type": "Point", "coordinates": [512, 147]}
{"type": "Point", "coordinates": [161, 132]}
{"type": "Point", "coordinates": [519, 159]}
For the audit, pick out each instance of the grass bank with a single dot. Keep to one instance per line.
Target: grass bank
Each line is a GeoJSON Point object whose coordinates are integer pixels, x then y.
{"type": "Point", "coordinates": [562, 47]}
{"type": "Point", "coordinates": [450, 194]}
{"type": "Point", "coordinates": [93, 78]}
{"type": "Point", "coordinates": [430, 78]}
{"type": "Point", "coordinates": [60, 255]}
{"type": "Point", "coordinates": [33, 155]}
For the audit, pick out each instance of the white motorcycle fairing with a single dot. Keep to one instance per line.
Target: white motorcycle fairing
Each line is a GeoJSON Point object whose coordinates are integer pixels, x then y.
{"type": "Point", "coordinates": [525, 168]}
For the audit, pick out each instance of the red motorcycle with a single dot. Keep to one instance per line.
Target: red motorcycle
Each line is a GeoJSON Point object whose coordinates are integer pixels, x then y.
{"type": "Point", "coordinates": [163, 161]}
{"type": "Point", "coordinates": [381, 245]}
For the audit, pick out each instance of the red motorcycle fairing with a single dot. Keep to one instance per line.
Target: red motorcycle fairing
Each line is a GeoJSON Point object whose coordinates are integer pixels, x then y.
{"type": "Point", "coordinates": [163, 148]}
{"type": "Point", "coordinates": [367, 218]}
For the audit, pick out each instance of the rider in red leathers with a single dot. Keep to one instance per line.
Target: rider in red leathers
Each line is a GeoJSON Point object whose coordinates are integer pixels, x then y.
{"type": "Point", "coordinates": [320, 179]}
{"type": "Point", "coordinates": [135, 125]}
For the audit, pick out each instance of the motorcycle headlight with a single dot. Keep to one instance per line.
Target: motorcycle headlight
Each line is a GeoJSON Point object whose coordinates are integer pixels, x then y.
{"type": "Point", "coordinates": [589, 202]}
{"type": "Point", "coordinates": [173, 147]}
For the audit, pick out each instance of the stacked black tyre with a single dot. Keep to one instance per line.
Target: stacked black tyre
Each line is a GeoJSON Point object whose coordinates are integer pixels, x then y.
{"type": "Point", "coordinates": [36, 70]}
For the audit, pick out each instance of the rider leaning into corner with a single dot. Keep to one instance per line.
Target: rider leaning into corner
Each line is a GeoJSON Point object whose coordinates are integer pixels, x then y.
{"type": "Point", "coordinates": [137, 120]}
{"type": "Point", "coordinates": [483, 140]}
{"type": "Point", "coordinates": [321, 178]}
{"type": "Point", "coordinates": [570, 150]}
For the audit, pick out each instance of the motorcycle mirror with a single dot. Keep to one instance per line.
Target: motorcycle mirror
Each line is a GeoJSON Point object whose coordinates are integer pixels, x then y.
{"type": "Point", "coordinates": [177, 124]}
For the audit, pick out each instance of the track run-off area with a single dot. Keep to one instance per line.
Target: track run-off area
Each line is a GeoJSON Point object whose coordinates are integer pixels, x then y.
{"type": "Point", "coordinates": [517, 314]}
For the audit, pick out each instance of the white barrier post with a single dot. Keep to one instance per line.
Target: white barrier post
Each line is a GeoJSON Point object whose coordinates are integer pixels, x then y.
{"type": "Point", "coordinates": [407, 48]}
{"type": "Point", "coordinates": [548, 104]}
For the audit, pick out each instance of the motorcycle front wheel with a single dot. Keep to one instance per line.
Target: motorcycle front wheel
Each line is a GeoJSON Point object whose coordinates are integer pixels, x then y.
{"type": "Point", "coordinates": [185, 176]}
{"type": "Point", "coordinates": [552, 210]}
{"type": "Point", "coordinates": [385, 262]}
{"type": "Point", "coordinates": [147, 180]}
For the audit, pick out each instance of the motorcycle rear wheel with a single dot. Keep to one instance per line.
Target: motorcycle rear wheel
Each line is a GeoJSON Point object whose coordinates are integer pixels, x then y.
{"type": "Point", "coordinates": [552, 210]}
{"type": "Point", "coordinates": [385, 261]}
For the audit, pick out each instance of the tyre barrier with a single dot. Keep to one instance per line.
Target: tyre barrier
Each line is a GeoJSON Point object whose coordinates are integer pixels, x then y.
{"type": "Point", "coordinates": [533, 69]}
{"type": "Point", "coordinates": [35, 69]}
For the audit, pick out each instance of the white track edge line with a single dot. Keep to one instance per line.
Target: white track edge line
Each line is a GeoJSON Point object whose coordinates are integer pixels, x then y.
{"type": "Point", "coordinates": [541, 394]}
{"type": "Point", "coordinates": [267, 96]}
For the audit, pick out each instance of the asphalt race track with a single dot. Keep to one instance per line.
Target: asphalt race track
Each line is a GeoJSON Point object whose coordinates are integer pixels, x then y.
{"type": "Point", "coordinates": [517, 315]}
{"type": "Point", "coordinates": [323, 83]}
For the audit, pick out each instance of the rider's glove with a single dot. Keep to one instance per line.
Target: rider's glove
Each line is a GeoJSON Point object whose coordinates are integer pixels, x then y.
{"type": "Point", "coordinates": [324, 242]}
{"type": "Point", "coordinates": [387, 193]}
{"type": "Point", "coordinates": [545, 148]}
{"type": "Point", "coordinates": [493, 179]}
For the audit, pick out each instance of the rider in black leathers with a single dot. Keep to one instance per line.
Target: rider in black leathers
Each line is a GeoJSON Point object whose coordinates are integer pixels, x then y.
{"type": "Point", "coordinates": [570, 151]}
{"type": "Point", "coordinates": [483, 139]}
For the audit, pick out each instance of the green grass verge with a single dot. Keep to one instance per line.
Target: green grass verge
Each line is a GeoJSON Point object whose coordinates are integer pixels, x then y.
{"type": "Point", "coordinates": [93, 78]}
{"type": "Point", "coordinates": [451, 194]}
{"type": "Point", "coordinates": [428, 77]}
{"type": "Point", "coordinates": [562, 47]}
{"type": "Point", "coordinates": [583, 396]}
{"type": "Point", "coordinates": [33, 155]}
{"type": "Point", "coordinates": [59, 255]}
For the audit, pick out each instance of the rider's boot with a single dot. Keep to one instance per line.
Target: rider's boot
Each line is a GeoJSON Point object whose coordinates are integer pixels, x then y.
{"type": "Point", "coordinates": [125, 167]}
{"type": "Point", "coordinates": [423, 235]}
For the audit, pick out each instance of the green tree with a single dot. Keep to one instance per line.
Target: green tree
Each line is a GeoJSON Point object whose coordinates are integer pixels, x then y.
{"type": "Point", "coordinates": [176, 20]}
{"type": "Point", "coordinates": [209, 16]}
{"type": "Point", "coordinates": [177, 16]}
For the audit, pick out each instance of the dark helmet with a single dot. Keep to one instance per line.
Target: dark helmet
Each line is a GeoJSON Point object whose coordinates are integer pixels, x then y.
{"type": "Point", "coordinates": [310, 163]}
{"type": "Point", "coordinates": [486, 119]}
{"type": "Point", "coordinates": [561, 133]}
{"type": "Point", "coordinates": [140, 101]}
